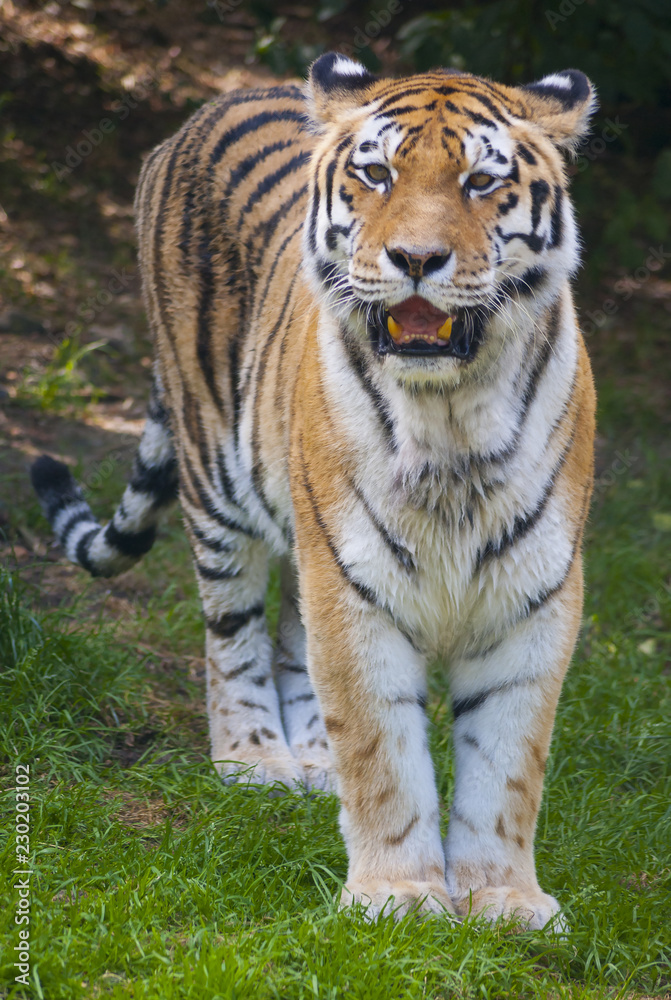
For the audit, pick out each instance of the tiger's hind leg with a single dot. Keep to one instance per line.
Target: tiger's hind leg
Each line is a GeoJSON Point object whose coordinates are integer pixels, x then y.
{"type": "Point", "coordinates": [243, 706]}
{"type": "Point", "coordinates": [303, 722]}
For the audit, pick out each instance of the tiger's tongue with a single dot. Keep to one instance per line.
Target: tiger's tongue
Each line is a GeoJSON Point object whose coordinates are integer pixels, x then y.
{"type": "Point", "coordinates": [417, 319]}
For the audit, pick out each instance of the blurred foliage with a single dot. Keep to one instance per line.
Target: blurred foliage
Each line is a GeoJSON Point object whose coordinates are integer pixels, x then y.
{"type": "Point", "coordinates": [624, 48]}
{"type": "Point", "coordinates": [62, 384]}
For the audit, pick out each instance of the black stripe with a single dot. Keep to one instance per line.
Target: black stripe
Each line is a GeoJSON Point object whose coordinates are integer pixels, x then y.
{"type": "Point", "coordinates": [510, 202]}
{"type": "Point", "coordinates": [314, 206]}
{"type": "Point", "coordinates": [330, 171]}
{"type": "Point", "coordinates": [244, 167]}
{"type": "Point", "coordinates": [357, 362]}
{"type": "Point", "coordinates": [244, 128]}
{"type": "Point", "coordinates": [260, 302]}
{"type": "Point", "coordinates": [161, 215]}
{"type": "Point", "coordinates": [272, 180]}
{"type": "Point", "coordinates": [556, 220]}
{"type": "Point", "coordinates": [204, 336]}
{"type": "Point", "coordinates": [266, 227]}
{"type": "Point", "coordinates": [462, 706]}
{"type": "Point", "coordinates": [535, 603]}
{"type": "Point", "coordinates": [225, 479]}
{"type": "Point", "coordinates": [526, 154]}
{"type": "Point", "coordinates": [82, 551]}
{"type": "Point", "coordinates": [214, 544]}
{"type": "Point", "coordinates": [237, 671]}
{"type": "Point", "coordinates": [159, 481]}
{"type": "Point", "coordinates": [540, 192]}
{"type": "Point", "coordinates": [234, 376]}
{"type": "Point", "coordinates": [130, 543]}
{"type": "Point", "coordinates": [362, 590]}
{"type": "Point", "coordinates": [156, 409]}
{"type": "Point", "coordinates": [399, 551]}
{"type": "Point", "coordinates": [257, 472]}
{"type": "Point", "coordinates": [542, 360]}
{"type": "Point", "coordinates": [207, 573]}
{"type": "Point", "coordinates": [407, 109]}
{"type": "Point", "coordinates": [54, 506]}
{"type": "Point", "coordinates": [408, 148]}
{"type": "Point", "coordinates": [524, 523]}
{"type": "Point", "coordinates": [478, 118]}
{"type": "Point", "coordinates": [226, 626]}
{"type": "Point", "coordinates": [72, 522]}
{"type": "Point", "coordinates": [300, 698]}
{"type": "Point", "coordinates": [525, 284]}
{"type": "Point", "coordinates": [292, 668]}
{"type": "Point", "coordinates": [278, 256]}
{"type": "Point", "coordinates": [489, 104]}
{"type": "Point", "coordinates": [472, 86]}
{"type": "Point", "coordinates": [397, 96]}
{"type": "Point", "coordinates": [332, 233]}
{"type": "Point", "coordinates": [208, 505]}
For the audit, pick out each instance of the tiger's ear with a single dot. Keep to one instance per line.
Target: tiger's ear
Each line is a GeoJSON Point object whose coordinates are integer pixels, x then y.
{"type": "Point", "coordinates": [336, 84]}
{"type": "Point", "coordinates": [561, 104]}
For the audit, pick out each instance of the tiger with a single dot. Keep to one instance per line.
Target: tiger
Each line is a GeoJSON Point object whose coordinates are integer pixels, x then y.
{"type": "Point", "coordinates": [369, 368]}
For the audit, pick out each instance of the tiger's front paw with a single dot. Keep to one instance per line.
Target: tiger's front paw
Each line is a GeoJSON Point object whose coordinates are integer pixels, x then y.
{"type": "Point", "coordinates": [530, 907]}
{"type": "Point", "coordinates": [382, 898]}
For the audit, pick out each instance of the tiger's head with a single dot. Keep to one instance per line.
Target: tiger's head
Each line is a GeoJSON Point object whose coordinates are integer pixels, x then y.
{"type": "Point", "coordinates": [439, 223]}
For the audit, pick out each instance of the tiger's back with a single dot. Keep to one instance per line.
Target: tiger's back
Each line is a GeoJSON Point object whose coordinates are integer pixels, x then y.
{"type": "Point", "coordinates": [220, 211]}
{"type": "Point", "coordinates": [368, 363]}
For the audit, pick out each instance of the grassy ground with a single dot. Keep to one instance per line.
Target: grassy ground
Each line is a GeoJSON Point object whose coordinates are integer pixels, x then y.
{"type": "Point", "coordinates": [150, 879]}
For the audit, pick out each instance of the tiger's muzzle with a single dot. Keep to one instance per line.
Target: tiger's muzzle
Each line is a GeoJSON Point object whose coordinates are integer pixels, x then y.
{"type": "Point", "coordinates": [415, 328]}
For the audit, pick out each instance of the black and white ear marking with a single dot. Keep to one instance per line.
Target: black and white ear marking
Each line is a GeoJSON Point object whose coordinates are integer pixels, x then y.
{"type": "Point", "coordinates": [561, 104]}
{"type": "Point", "coordinates": [336, 84]}
{"type": "Point", "coordinates": [333, 71]}
{"type": "Point", "coordinates": [570, 88]}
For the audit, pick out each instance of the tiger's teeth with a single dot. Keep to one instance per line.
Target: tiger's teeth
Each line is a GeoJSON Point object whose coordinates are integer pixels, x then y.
{"type": "Point", "coordinates": [445, 330]}
{"type": "Point", "coordinates": [395, 329]}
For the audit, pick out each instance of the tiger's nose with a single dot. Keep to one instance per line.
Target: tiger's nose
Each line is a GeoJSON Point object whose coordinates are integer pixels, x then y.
{"type": "Point", "coordinates": [416, 265]}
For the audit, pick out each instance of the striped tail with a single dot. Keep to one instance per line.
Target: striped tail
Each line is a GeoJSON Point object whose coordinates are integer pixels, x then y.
{"type": "Point", "coordinates": [105, 550]}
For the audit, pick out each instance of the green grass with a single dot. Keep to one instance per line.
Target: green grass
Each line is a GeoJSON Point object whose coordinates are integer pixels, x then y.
{"type": "Point", "coordinates": [153, 880]}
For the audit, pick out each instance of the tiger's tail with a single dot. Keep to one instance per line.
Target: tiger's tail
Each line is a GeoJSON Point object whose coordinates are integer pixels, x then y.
{"type": "Point", "coordinates": [106, 550]}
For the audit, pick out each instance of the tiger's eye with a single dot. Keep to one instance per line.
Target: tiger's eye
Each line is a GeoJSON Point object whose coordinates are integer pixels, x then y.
{"type": "Point", "coordinates": [480, 180]}
{"type": "Point", "coordinates": [376, 172]}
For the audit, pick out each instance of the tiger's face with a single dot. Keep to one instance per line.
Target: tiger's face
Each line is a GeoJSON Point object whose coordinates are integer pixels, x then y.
{"type": "Point", "coordinates": [439, 218]}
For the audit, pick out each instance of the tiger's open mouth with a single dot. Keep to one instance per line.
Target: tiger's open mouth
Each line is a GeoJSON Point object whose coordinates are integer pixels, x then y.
{"type": "Point", "coordinates": [415, 328]}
